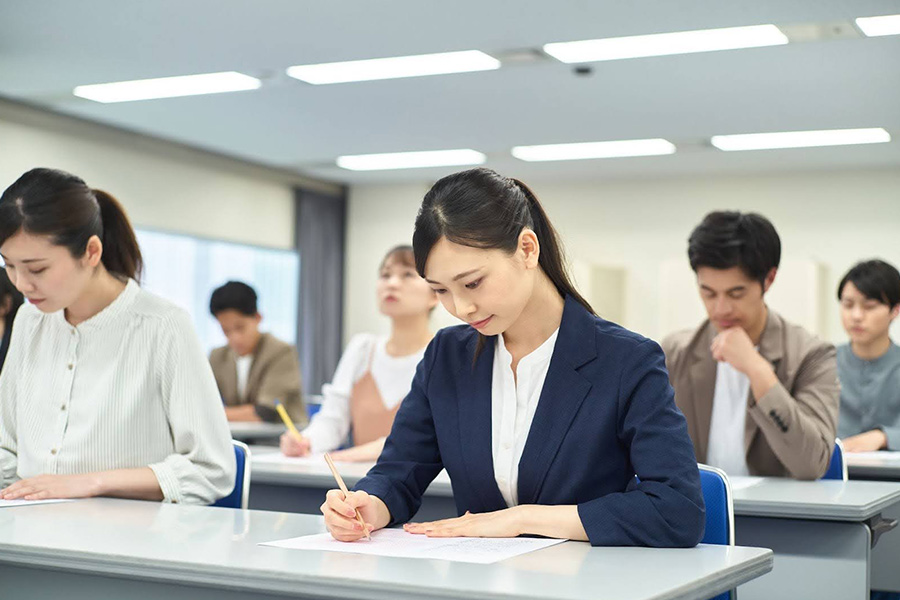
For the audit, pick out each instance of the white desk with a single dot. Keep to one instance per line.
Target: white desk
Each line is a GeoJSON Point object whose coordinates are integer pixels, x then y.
{"type": "Point", "coordinates": [820, 532]}
{"type": "Point", "coordinates": [818, 529]}
{"type": "Point", "coordinates": [254, 431]}
{"type": "Point", "coordinates": [103, 548]}
{"type": "Point", "coordinates": [881, 466]}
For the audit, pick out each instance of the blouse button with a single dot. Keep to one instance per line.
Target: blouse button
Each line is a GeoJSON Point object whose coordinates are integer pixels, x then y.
{"type": "Point", "coordinates": [71, 366]}
{"type": "Point", "coordinates": [53, 451]}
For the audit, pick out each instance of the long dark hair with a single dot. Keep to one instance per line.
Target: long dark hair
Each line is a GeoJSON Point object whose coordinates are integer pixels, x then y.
{"type": "Point", "coordinates": [8, 290]}
{"type": "Point", "coordinates": [483, 209]}
{"type": "Point", "coordinates": [60, 205]}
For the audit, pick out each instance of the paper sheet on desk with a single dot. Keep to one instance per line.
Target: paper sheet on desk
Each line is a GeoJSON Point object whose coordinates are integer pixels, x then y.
{"type": "Point", "coordinates": [10, 503]}
{"type": "Point", "coordinates": [398, 543]}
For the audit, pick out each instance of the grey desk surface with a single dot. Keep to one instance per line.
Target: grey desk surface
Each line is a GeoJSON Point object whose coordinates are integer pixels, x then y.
{"type": "Point", "coordinates": [317, 475]}
{"type": "Point", "coordinates": [814, 500]}
{"type": "Point", "coordinates": [766, 497]}
{"type": "Point", "coordinates": [250, 430]}
{"type": "Point", "coordinates": [883, 465]}
{"type": "Point", "coordinates": [217, 548]}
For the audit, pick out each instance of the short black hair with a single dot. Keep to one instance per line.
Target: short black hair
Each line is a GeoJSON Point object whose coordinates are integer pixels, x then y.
{"type": "Point", "coordinates": [234, 295]}
{"type": "Point", "coordinates": [726, 239]}
{"type": "Point", "coordinates": [876, 279]}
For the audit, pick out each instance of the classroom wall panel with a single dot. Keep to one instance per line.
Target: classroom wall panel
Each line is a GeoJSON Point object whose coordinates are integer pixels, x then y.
{"type": "Point", "coordinates": [162, 186]}
{"type": "Point", "coordinates": [827, 221]}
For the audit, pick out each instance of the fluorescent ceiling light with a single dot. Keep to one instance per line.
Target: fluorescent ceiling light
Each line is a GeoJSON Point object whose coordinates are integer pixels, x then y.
{"type": "Point", "coordinates": [392, 68]}
{"type": "Point", "coordinates": [877, 26]}
{"type": "Point", "coordinates": [580, 151]}
{"type": "Point", "coordinates": [661, 44]}
{"type": "Point", "coordinates": [410, 160]}
{"type": "Point", "coordinates": [168, 87]}
{"type": "Point", "coordinates": [800, 139]}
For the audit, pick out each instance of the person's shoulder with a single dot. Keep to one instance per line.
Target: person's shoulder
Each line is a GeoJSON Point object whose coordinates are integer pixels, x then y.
{"type": "Point", "coordinates": [275, 346]}
{"type": "Point", "coordinates": [27, 315]}
{"type": "Point", "coordinates": [616, 337]}
{"type": "Point", "coordinates": [156, 313]}
{"type": "Point", "coordinates": [800, 341]}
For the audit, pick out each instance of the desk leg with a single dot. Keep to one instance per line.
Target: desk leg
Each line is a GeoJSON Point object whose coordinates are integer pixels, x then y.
{"type": "Point", "coordinates": [886, 556]}
{"type": "Point", "coordinates": [813, 559]}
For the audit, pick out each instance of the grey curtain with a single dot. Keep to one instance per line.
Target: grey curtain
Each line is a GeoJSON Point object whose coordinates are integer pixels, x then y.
{"type": "Point", "coordinates": [320, 227]}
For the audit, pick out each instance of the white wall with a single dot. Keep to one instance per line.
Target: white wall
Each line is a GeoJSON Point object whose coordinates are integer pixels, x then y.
{"type": "Point", "coordinates": [831, 218]}
{"type": "Point", "coordinates": [161, 185]}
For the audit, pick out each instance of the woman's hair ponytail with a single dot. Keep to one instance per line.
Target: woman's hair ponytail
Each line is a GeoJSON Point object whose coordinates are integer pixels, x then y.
{"type": "Point", "coordinates": [121, 253]}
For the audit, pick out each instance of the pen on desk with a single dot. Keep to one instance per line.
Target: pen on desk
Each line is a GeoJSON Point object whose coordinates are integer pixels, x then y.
{"type": "Point", "coordinates": [343, 486]}
{"type": "Point", "coordinates": [287, 421]}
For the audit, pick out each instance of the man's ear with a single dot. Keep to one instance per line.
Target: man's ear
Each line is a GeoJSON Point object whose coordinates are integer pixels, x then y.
{"type": "Point", "coordinates": [770, 279]}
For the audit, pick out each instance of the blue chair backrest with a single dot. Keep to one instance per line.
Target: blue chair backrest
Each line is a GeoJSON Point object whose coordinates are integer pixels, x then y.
{"type": "Point", "coordinates": [240, 494]}
{"type": "Point", "coordinates": [719, 506]}
{"type": "Point", "coordinates": [837, 468]}
{"type": "Point", "coordinates": [719, 512]}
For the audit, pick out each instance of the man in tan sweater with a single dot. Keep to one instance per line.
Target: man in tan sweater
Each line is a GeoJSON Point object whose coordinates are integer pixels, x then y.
{"type": "Point", "coordinates": [760, 394]}
{"type": "Point", "coordinates": [255, 368]}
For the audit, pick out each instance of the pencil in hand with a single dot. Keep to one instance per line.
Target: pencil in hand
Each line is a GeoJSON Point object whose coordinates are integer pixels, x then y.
{"type": "Point", "coordinates": [346, 492]}
{"type": "Point", "coordinates": [287, 420]}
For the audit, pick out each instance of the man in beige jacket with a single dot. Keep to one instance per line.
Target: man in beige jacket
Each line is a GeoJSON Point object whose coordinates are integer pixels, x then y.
{"type": "Point", "coordinates": [760, 395]}
{"type": "Point", "coordinates": [255, 368]}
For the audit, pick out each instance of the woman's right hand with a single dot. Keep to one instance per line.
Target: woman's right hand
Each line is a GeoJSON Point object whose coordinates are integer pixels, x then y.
{"type": "Point", "coordinates": [291, 446]}
{"type": "Point", "coordinates": [340, 515]}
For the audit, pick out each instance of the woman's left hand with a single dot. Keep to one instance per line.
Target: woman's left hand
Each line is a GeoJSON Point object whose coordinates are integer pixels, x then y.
{"type": "Point", "coordinates": [45, 487]}
{"type": "Point", "coordinates": [500, 523]}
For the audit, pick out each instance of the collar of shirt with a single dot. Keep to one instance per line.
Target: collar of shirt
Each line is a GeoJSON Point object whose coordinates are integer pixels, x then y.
{"type": "Point", "coordinates": [110, 314]}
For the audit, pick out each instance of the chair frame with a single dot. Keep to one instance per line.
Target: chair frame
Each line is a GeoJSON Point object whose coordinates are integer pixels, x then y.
{"type": "Point", "coordinates": [245, 492]}
{"type": "Point", "coordinates": [730, 498]}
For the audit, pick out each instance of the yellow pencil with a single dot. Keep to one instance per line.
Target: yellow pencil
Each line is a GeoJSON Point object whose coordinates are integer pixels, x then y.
{"type": "Point", "coordinates": [343, 486]}
{"type": "Point", "coordinates": [287, 421]}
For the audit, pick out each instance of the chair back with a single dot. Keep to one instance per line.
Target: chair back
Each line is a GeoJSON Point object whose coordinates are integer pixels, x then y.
{"type": "Point", "coordinates": [837, 468]}
{"type": "Point", "coordinates": [719, 512]}
{"type": "Point", "coordinates": [240, 494]}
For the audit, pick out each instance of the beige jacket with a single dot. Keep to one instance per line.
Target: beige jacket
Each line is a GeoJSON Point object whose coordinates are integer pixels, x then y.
{"type": "Point", "coordinates": [790, 431]}
{"type": "Point", "coordinates": [274, 375]}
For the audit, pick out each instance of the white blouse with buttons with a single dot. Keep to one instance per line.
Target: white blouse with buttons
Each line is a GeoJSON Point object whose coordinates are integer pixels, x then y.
{"type": "Point", "coordinates": [513, 403]}
{"type": "Point", "coordinates": [129, 387]}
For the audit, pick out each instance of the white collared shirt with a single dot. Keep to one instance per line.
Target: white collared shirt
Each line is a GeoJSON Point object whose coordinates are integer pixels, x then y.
{"type": "Point", "coordinates": [130, 387]}
{"type": "Point", "coordinates": [514, 401]}
{"type": "Point", "coordinates": [243, 364]}
{"type": "Point", "coordinates": [726, 427]}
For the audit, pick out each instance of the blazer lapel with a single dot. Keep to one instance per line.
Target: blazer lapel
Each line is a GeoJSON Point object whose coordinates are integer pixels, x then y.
{"type": "Point", "coordinates": [475, 425]}
{"type": "Point", "coordinates": [561, 397]}
{"type": "Point", "coordinates": [703, 389]}
{"type": "Point", "coordinates": [771, 347]}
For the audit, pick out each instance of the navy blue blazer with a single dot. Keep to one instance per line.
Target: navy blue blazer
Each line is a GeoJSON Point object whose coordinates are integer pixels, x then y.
{"type": "Point", "coordinates": [606, 413]}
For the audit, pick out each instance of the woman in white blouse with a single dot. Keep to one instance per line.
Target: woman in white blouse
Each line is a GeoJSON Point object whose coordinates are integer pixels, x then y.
{"type": "Point", "coordinates": [106, 390]}
{"type": "Point", "coordinates": [375, 372]}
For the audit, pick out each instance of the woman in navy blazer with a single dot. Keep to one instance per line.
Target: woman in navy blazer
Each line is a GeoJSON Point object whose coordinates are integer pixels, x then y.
{"type": "Point", "coordinates": [605, 412]}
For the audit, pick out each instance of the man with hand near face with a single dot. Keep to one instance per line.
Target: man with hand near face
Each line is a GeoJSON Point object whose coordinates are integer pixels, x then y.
{"type": "Point", "coordinates": [869, 366]}
{"type": "Point", "coordinates": [760, 394]}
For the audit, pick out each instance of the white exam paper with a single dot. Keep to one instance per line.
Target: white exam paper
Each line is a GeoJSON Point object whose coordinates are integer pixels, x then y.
{"type": "Point", "coordinates": [398, 543]}
{"type": "Point", "coordinates": [11, 503]}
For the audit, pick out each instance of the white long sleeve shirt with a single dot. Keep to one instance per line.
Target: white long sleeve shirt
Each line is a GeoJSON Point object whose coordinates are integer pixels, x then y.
{"type": "Point", "coordinates": [130, 387]}
{"type": "Point", "coordinates": [514, 401]}
{"type": "Point", "coordinates": [393, 376]}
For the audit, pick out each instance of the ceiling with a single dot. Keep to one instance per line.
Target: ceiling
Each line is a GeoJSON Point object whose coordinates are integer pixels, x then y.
{"type": "Point", "coordinates": [49, 47]}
